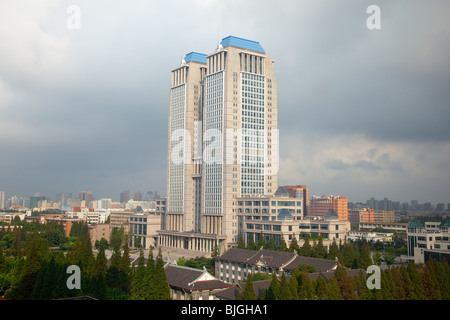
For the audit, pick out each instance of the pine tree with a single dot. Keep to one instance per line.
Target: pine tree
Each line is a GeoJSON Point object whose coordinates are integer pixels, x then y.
{"type": "Point", "coordinates": [282, 246]}
{"type": "Point", "coordinates": [162, 289]}
{"type": "Point", "coordinates": [319, 250]}
{"type": "Point", "coordinates": [294, 244]}
{"type": "Point", "coordinates": [429, 282]}
{"type": "Point", "coordinates": [285, 292]}
{"type": "Point", "coordinates": [251, 243]}
{"type": "Point", "coordinates": [365, 259]}
{"type": "Point", "coordinates": [321, 289]}
{"type": "Point", "coordinates": [273, 292]}
{"type": "Point", "coordinates": [306, 250]}
{"type": "Point", "coordinates": [137, 289]}
{"type": "Point", "coordinates": [333, 250]}
{"type": "Point", "coordinates": [306, 289]}
{"type": "Point", "coordinates": [261, 242]}
{"type": "Point", "coordinates": [272, 245]}
{"type": "Point", "coordinates": [241, 243]}
{"type": "Point", "coordinates": [249, 292]}
{"type": "Point", "coordinates": [100, 261]}
{"type": "Point", "coordinates": [345, 283]}
{"type": "Point", "coordinates": [293, 287]}
{"type": "Point", "coordinates": [416, 282]}
{"type": "Point", "coordinates": [333, 291]}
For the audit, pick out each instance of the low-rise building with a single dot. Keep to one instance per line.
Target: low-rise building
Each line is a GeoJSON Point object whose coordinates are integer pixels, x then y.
{"type": "Point", "coordinates": [394, 226]}
{"type": "Point", "coordinates": [192, 284]}
{"type": "Point", "coordinates": [143, 227]}
{"type": "Point", "coordinates": [235, 264]}
{"type": "Point", "coordinates": [370, 236]}
{"type": "Point", "coordinates": [426, 240]}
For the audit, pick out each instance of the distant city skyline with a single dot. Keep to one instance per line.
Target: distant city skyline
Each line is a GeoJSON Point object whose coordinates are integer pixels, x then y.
{"type": "Point", "coordinates": [362, 113]}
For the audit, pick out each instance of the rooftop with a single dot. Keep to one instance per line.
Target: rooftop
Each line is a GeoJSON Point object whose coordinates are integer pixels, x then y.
{"type": "Point", "coordinates": [195, 56]}
{"type": "Point", "coordinates": [242, 43]}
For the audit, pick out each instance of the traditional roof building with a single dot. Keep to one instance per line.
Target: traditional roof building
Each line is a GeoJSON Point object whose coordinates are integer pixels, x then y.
{"type": "Point", "coordinates": [234, 265]}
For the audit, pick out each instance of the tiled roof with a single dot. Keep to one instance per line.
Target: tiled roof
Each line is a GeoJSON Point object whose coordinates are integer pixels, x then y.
{"type": "Point", "coordinates": [275, 259]}
{"type": "Point", "coordinates": [185, 278]}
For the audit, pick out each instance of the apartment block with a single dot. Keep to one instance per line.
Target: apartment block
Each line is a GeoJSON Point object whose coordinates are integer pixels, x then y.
{"type": "Point", "coordinates": [357, 216]}
{"type": "Point", "coordinates": [319, 206]}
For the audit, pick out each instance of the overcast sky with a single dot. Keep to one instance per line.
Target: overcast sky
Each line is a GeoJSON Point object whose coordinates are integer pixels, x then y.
{"type": "Point", "coordinates": [362, 113]}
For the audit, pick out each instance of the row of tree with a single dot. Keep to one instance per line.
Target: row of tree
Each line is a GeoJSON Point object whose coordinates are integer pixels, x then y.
{"type": "Point", "coordinates": [424, 282]}
{"type": "Point", "coordinates": [351, 254]}
{"type": "Point", "coordinates": [32, 271]}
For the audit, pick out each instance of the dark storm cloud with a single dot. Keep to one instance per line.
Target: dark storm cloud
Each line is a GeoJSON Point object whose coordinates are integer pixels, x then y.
{"type": "Point", "coordinates": [89, 107]}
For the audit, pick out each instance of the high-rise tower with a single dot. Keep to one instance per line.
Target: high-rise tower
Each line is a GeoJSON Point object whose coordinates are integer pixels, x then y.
{"type": "Point", "coordinates": [223, 142]}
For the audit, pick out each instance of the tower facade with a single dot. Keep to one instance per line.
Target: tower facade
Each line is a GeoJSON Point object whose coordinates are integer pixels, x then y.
{"type": "Point", "coordinates": [223, 142]}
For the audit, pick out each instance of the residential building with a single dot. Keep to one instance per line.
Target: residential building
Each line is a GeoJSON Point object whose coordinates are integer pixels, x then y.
{"type": "Point", "coordinates": [319, 206]}
{"type": "Point", "coordinates": [357, 216]}
{"type": "Point", "coordinates": [223, 142]}
{"type": "Point", "coordinates": [383, 216]}
{"type": "Point", "coordinates": [426, 240]}
{"type": "Point", "coordinates": [86, 196]}
{"type": "Point", "coordinates": [125, 196]}
{"type": "Point", "coordinates": [99, 231]}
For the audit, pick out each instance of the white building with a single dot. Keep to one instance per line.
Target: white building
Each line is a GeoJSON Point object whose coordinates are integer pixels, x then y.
{"type": "Point", "coordinates": [429, 240]}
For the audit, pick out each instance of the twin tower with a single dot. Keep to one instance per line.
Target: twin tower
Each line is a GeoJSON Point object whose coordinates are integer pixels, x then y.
{"type": "Point", "coordinates": [222, 143]}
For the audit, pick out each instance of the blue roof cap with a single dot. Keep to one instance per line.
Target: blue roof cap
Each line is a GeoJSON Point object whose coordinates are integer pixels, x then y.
{"type": "Point", "coordinates": [242, 43]}
{"type": "Point", "coordinates": [195, 56]}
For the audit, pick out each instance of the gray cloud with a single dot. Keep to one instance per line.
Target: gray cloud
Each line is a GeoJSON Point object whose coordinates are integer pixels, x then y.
{"type": "Point", "coordinates": [88, 108]}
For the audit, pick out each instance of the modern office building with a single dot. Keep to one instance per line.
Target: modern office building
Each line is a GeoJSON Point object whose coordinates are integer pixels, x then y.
{"type": "Point", "coordinates": [319, 206]}
{"type": "Point", "coordinates": [223, 142]}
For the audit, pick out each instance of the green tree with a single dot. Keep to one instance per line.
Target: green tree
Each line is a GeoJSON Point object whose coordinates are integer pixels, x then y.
{"type": "Point", "coordinates": [282, 246]}
{"type": "Point", "coordinates": [305, 289]}
{"type": "Point", "coordinates": [333, 290]}
{"type": "Point", "coordinates": [261, 242]}
{"type": "Point", "coordinates": [321, 289]}
{"type": "Point", "coordinates": [293, 246]}
{"type": "Point", "coordinates": [365, 259]}
{"type": "Point", "coordinates": [320, 251]}
{"type": "Point", "coordinates": [333, 250]}
{"type": "Point", "coordinates": [416, 281]}
{"type": "Point", "coordinates": [251, 243]}
{"type": "Point", "coordinates": [137, 285]}
{"type": "Point", "coordinates": [272, 245]}
{"type": "Point", "coordinates": [249, 292]}
{"type": "Point", "coordinates": [285, 292]}
{"type": "Point", "coordinates": [306, 250]}
{"type": "Point", "coordinates": [162, 290]}
{"type": "Point", "coordinates": [241, 243]}
{"type": "Point", "coordinates": [273, 292]}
